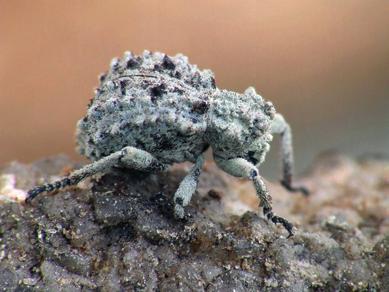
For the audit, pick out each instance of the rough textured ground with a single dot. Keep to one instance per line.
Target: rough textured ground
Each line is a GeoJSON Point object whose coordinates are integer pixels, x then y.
{"type": "Point", "coordinates": [117, 233]}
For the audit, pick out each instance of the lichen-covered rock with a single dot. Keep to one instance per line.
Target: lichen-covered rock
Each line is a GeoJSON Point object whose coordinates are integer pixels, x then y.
{"type": "Point", "coordinates": [118, 233]}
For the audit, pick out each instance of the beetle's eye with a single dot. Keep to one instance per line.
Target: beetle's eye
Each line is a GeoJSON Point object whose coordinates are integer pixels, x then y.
{"type": "Point", "coordinates": [269, 109]}
{"type": "Point", "coordinates": [260, 125]}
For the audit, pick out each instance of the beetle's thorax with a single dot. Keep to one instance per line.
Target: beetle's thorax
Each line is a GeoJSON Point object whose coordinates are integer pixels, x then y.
{"type": "Point", "coordinates": [238, 125]}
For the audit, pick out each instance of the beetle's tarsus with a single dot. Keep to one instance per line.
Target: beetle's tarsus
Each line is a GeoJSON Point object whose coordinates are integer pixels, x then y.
{"type": "Point", "coordinates": [49, 187]}
{"type": "Point", "coordinates": [292, 189]}
{"type": "Point", "coordinates": [267, 211]}
{"type": "Point", "coordinates": [31, 194]}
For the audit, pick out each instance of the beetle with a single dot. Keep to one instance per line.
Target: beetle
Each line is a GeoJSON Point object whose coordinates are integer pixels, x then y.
{"type": "Point", "coordinates": [153, 110]}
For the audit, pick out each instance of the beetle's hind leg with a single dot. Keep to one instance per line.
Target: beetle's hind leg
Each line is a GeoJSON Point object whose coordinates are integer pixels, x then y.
{"type": "Point", "coordinates": [128, 157]}
{"type": "Point", "coordinates": [187, 188]}
{"type": "Point", "coordinates": [280, 126]}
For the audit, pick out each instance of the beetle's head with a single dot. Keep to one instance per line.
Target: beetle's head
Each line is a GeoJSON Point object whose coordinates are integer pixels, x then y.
{"type": "Point", "coordinates": [239, 125]}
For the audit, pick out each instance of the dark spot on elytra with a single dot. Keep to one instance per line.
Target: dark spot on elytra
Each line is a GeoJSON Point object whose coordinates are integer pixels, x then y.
{"type": "Point", "coordinates": [200, 107]}
{"type": "Point", "coordinates": [102, 77]}
{"type": "Point", "coordinates": [98, 108]}
{"type": "Point", "coordinates": [157, 67]}
{"type": "Point", "coordinates": [115, 67]}
{"type": "Point", "coordinates": [145, 84]}
{"type": "Point", "coordinates": [123, 86]}
{"type": "Point", "coordinates": [124, 125]}
{"type": "Point", "coordinates": [133, 63]}
{"type": "Point", "coordinates": [196, 80]}
{"type": "Point", "coordinates": [103, 135]}
{"type": "Point", "coordinates": [167, 63]}
{"type": "Point", "coordinates": [213, 82]}
{"type": "Point", "coordinates": [157, 91]}
{"type": "Point", "coordinates": [98, 91]}
{"type": "Point", "coordinates": [90, 102]}
{"type": "Point", "coordinates": [115, 103]}
{"type": "Point", "coordinates": [178, 90]}
{"type": "Point", "coordinates": [177, 75]}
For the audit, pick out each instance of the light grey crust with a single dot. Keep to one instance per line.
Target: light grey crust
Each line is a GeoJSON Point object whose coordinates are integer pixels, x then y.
{"type": "Point", "coordinates": [152, 102]}
{"type": "Point", "coordinates": [239, 125]}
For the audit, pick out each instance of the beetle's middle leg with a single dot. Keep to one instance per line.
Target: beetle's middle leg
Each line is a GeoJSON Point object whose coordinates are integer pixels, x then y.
{"type": "Point", "coordinates": [187, 188]}
{"type": "Point", "coordinates": [280, 126]}
{"type": "Point", "coordinates": [128, 157]}
{"type": "Point", "coordinates": [240, 167]}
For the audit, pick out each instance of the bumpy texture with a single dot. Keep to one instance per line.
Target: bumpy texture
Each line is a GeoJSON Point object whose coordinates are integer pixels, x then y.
{"type": "Point", "coordinates": [239, 125]}
{"type": "Point", "coordinates": [119, 234]}
{"type": "Point", "coordinates": [152, 102]}
{"type": "Point", "coordinates": [173, 110]}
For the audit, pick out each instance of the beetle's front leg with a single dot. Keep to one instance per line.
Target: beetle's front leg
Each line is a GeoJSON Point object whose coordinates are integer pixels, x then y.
{"type": "Point", "coordinates": [280, 126]}
{"type": "Point", "coordinates": [240, 167]}
{"type": "Point", "coordinates": [187, 188]}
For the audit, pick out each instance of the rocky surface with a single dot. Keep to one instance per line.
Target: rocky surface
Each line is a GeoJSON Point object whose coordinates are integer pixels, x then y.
{"type": "Point", "coordinates": [117, 232]}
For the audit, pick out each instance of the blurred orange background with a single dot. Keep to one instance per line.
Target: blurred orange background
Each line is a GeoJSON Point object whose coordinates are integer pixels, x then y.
{"type": "Point", "coordinates": [324, 64]}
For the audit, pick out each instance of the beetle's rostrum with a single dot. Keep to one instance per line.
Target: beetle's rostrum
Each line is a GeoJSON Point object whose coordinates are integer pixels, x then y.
{"type": "Point", "coordinates": [153, 110]}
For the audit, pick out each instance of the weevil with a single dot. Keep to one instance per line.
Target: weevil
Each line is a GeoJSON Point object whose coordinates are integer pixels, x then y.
{"type": "Point", "coordinates": [153, 110]}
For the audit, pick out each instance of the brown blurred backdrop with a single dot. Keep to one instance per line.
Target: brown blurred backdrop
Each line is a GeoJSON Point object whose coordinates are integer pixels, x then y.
{"type": "Point", "coordinates": [324, 64]}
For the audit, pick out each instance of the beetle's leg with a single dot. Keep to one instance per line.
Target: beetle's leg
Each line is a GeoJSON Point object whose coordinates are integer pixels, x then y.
{"type": "Point", "coordinates": [280, 126]}
{"type": "Point", "coordinates": [129, 157]}
{"type": "Point", "coordinates": [240, 167]}
{"type": "Point", "coordinates": [187, 188]}
{"type": "Point", "coordinates": [134, 158]}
